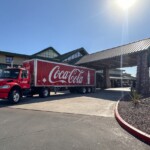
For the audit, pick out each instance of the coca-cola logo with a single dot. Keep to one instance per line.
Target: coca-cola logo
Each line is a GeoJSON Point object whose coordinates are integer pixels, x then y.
{"type": "Point", "coordinates": [73, 76]}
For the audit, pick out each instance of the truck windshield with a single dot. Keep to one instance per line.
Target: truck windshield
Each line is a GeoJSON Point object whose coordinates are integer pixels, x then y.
{"type": "Point", "coordinates": [10, 73]}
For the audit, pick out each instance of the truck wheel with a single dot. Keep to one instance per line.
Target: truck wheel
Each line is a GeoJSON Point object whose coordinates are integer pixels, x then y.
{"type": "Point", "coordinates": [89, 90]}
{"type": "Point", "coordinates": [72, 90]}
{"type": "Point", "coordinates": [14, 96]}
{"type": "Point", "coordinates": [44, 92]}
{"type": "Point", "coordinates": [93, 90]}
{"type": "Point", "coordinates": [83, 90]}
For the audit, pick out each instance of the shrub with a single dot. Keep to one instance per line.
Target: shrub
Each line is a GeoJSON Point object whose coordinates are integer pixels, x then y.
{"type": "Point", "coordinates": [135, 97]}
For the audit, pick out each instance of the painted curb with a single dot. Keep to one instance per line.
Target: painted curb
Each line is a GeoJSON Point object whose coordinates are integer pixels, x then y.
{"type": "Point", "coordinates": [134, 131]}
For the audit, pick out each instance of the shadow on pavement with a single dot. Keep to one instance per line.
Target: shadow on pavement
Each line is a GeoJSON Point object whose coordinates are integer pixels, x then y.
{"type": "Point", "coordinates": [109, 94]}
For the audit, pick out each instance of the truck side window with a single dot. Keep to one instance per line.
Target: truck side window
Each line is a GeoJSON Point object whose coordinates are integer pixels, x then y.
{"type": "Point", "coordinates": [24, 74]}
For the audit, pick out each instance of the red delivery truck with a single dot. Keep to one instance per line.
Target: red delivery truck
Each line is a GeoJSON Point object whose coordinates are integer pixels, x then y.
{"type": "Point", "coordinates": [40, 77]}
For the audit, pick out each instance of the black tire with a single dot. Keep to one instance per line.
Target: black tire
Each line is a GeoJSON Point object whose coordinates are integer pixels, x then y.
{"type": "Point", "coordinates": [89, 90]}
{"type": "Point", "coordinates": [72, 90]}
{"type": "Point", "coordinates": [14, 96]}
{"type": "Point", "coordinates": [44, 92]}
{"type": "Point", "coordinates": [93, 89]}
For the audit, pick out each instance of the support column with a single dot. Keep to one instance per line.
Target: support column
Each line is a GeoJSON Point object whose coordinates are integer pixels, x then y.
{"type": "Point", "coordinates": [107, 83]}
{"type": "Point", "coordinates": [142, 85]}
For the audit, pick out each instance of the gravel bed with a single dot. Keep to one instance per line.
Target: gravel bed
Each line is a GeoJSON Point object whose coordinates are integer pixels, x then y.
{"type": "Point", "coordinates": [136, 115]}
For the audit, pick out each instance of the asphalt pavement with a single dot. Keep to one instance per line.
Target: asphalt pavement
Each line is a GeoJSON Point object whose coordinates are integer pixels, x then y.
{"type": "Point", "coordinates": [35, 130]}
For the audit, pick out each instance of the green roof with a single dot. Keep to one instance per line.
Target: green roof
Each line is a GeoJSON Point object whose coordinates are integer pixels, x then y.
{"type": "Point", "coordinates": [44, 58]}
{"type": "Point", "coordinates": [32, 56]}
{"type": "Point", "coordinates": [49, 48]}
{"type": "Point", "coordinates": [66, 55]}
{"type": "Point", "coordinates": [13, 54]}
{"type": "Point", "coordinates": [59, 58]}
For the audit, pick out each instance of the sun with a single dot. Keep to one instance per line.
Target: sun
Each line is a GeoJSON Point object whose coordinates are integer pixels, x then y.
{"type": "Point", "coordinates": [125, 4]}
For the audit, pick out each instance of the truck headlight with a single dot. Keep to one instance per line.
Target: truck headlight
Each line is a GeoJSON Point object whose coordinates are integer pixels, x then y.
{"type": "Point", "coordinates": [5, 87]}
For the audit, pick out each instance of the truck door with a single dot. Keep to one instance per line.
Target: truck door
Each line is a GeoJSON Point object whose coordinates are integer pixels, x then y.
{"type": "Point", "coordinates": [25, 80]}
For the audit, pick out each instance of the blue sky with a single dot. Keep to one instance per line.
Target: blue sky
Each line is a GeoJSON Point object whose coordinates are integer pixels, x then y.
{"type": "Point", "coordinates": [28, 26]}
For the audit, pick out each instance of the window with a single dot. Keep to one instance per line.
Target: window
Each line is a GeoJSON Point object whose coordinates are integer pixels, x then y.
{"type": "Point", "coordinates": [10, 73]}
{"type": "Point", "coordinates": [76, 55]}
{"type": "Point", "coordinates": [9, 59]}
{"type": "Point", "coordinates": [48, 54]}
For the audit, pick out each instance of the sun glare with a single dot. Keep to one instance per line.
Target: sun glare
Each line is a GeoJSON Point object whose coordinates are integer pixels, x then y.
{"type": "Point", "coordinates": [125, 4]}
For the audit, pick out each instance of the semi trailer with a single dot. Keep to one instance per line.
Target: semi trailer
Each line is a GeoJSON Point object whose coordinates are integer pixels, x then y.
{"type": "Point", "coordinates": [41, 77]}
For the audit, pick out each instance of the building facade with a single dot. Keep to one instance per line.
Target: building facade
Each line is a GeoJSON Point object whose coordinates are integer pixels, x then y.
{"type": "Point", "coordinates": [14, 59]}
{"type": "Point", "coordinates": [50, 54]}
{"type": "Point", "coordinates": [117, 77]}
{"type": "Point", "coordinates": [11, 59]}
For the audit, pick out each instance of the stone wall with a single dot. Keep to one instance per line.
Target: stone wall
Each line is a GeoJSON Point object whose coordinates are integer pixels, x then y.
{"type": "Point", "coordinates": [107, 83]}
{"type": "Point", "coordinates": [142, 85]}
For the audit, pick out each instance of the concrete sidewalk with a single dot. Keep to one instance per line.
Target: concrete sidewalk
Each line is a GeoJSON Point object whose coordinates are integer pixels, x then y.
{"type": "Point", "coordinates": [101, 103]}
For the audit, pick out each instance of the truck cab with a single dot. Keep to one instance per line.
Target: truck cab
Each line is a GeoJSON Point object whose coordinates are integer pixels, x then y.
{"type": "Point", "coordinates": [13, 82]}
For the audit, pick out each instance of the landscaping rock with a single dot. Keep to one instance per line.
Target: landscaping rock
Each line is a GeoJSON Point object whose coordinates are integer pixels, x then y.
{"type": "Point", "coordinates": [136, 115]}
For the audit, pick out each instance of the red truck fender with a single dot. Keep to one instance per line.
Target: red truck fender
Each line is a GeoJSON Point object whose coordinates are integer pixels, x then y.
{"type": "Point", "coordinates": [15, 93]}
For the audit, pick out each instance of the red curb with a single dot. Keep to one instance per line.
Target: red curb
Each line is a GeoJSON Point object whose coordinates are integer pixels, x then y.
{"type": "Point", "coordinates": [134, 131]}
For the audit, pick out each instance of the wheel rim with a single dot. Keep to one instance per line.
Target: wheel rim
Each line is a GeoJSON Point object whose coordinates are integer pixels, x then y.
{"type": "Point", "coordinates": [16, 96]}
{"type": "Point", "coordinates": [89, 90]}
{"type": "Point", "coordinates": [84, 90]}
{"type": "Point", "coordinates": [45, 92]}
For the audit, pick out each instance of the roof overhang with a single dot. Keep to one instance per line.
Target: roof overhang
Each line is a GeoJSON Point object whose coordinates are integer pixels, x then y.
{"type": "Point", "coordinates": [122, 56]}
